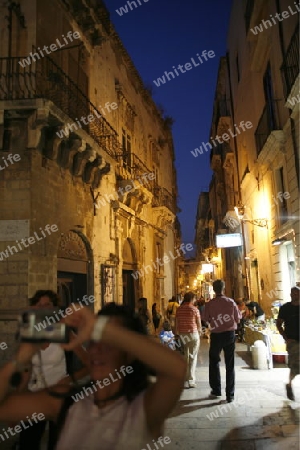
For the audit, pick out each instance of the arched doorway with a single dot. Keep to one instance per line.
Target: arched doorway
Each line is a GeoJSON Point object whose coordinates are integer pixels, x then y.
{"type": "Point", "coordinates": [74, 272]}
{"type": "Point", "coordinates": [74, 278]}
{"type": "Point", "coordinates": [129, 283]}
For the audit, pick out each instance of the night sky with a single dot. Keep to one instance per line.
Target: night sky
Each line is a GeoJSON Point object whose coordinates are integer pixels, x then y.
{"type": "Point", "coordinates": [158, 35]}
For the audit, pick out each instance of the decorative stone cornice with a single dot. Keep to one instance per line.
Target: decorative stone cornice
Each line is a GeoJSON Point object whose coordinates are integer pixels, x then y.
{"type": "Point", "coordinates": [163, 217]}
{"type": "Point", "coordinates": [134, 196]}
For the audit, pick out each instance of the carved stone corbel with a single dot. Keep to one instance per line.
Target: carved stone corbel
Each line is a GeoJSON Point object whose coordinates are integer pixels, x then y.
{"type": "Point", "coordinates": [91, 168]}
{"type": "Point", "coordinates": [99, 174]}
{"type": "Point", "coordinates": [52, 143]}
{"type": "Point", "coordinates": [36, 122]}
{"type": "Point", "coordinates": [81, 159]}
{"type": "Point", "coordinates": [68, 149]}
{"type": "Point", "coordinates": [163, 217]}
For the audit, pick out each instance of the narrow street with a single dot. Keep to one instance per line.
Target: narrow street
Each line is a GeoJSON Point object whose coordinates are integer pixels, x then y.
{"type": "Point", "coordinates": [260, 418]}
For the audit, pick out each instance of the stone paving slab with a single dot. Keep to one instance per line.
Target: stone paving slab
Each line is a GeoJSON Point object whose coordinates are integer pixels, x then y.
{"type": "Point", "coordinates": [220, 422]}
{"type": "Point", "coordinates": [262, 419]}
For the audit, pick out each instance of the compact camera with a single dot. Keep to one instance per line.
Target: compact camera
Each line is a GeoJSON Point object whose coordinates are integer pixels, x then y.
{"type": "Point", "coordinates": [42, 325]}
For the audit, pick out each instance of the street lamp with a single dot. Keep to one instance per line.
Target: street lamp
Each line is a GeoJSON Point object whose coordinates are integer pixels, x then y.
{"type": "Point", "coordinates": [240, 212]}
{"type": "Point", "coordinates": [279, 241]}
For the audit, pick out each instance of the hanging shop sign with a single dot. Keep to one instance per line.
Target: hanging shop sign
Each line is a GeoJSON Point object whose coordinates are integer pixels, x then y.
{"type": "Point", "coordinates": [229, 240]}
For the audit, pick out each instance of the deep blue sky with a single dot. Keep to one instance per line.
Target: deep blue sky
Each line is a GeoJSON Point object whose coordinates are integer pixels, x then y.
{"type": "Point", "coordinates": [160, 34]}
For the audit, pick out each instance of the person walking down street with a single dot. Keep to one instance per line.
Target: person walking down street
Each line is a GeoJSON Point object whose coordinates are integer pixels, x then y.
{"type": "Point", "coordinates": [223, 316]}
{"type": "Point", "coordinates": [288, 326]}
{"type": "Point", "coordinates": [256, 310]}
{"type": "Point", "coordinates": [173, 305]}
{"type": "Point", "coordinates": [188, 326]}
{"type": "Point", "coordinates": [155, 317]}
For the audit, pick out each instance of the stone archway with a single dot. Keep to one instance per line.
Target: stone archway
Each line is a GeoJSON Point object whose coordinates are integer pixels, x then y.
{"type": "Point", "coordinates": [74, 267]}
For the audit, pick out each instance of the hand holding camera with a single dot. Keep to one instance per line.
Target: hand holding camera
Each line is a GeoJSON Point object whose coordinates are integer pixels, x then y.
{"type": "Point", "coordinates": [42, 326]}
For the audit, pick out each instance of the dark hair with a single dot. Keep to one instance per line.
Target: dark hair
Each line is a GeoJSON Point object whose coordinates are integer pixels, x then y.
{"type": "Point", "coordinates": [44, 293]}
{"type": "Point", "coordinates": [239, 302]}
{"type": "Point", "coordinates": [137, 381]}
{"type": "Point", "coordinates": [188, 297]}
{"type": "Point", "coordinates": [218, 286]}
{"type": "Point", "coordinates": [167, 326]}
{"type": "Point", "coordinates": [153, 307]}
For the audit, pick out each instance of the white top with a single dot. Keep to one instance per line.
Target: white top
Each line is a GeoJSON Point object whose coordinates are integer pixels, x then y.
{"type": "Point", "coordinates": [51, 367]}
{"type": "Point", "coordinates": [119, 426]}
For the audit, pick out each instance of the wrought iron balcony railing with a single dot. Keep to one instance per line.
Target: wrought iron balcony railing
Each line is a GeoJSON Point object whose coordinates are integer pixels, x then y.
{"type": "Point", "coordinates": [45, 79]}
{"type": "Point", "coordinates": [290, 66]}
{"type": "Point", "coordinates": [162, 197]}
{"type": "Point", "coordinates": [268, 122]}
{"type": "Point", "coordinates": [136, 169]}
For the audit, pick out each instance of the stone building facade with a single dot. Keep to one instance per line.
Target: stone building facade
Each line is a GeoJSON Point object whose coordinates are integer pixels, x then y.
{"type": "Point", "coordinates": [256, 159]}
{"type": "Point", "coordinates": [96, 163]}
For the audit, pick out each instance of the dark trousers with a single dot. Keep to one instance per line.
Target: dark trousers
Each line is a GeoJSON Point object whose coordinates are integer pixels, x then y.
{"type": "Point", "coordinates": [30, 438]}
{"type": "Point", "coordinates": [222, 341]}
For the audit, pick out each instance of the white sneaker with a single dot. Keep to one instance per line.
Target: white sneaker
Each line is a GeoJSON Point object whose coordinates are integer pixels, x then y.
{"type": "Point", "coordinates": [186, 385]}
{"type": "Point", "coordinates": [192, 384]}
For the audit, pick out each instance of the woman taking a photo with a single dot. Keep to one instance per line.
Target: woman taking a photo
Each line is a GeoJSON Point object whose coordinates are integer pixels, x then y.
{"type": "Point", "coordinates": [122, 409]}
{"type": "Point", "coordinates": [47, 367]}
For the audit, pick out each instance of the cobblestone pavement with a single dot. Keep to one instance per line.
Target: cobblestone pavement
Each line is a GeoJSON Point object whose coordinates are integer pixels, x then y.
{"type": "Point", "coordinates": [261, 418]}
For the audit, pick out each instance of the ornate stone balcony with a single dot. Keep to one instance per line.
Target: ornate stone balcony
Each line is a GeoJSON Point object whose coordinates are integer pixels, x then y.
{"type": "Point", "coordinates": [44, 79]}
